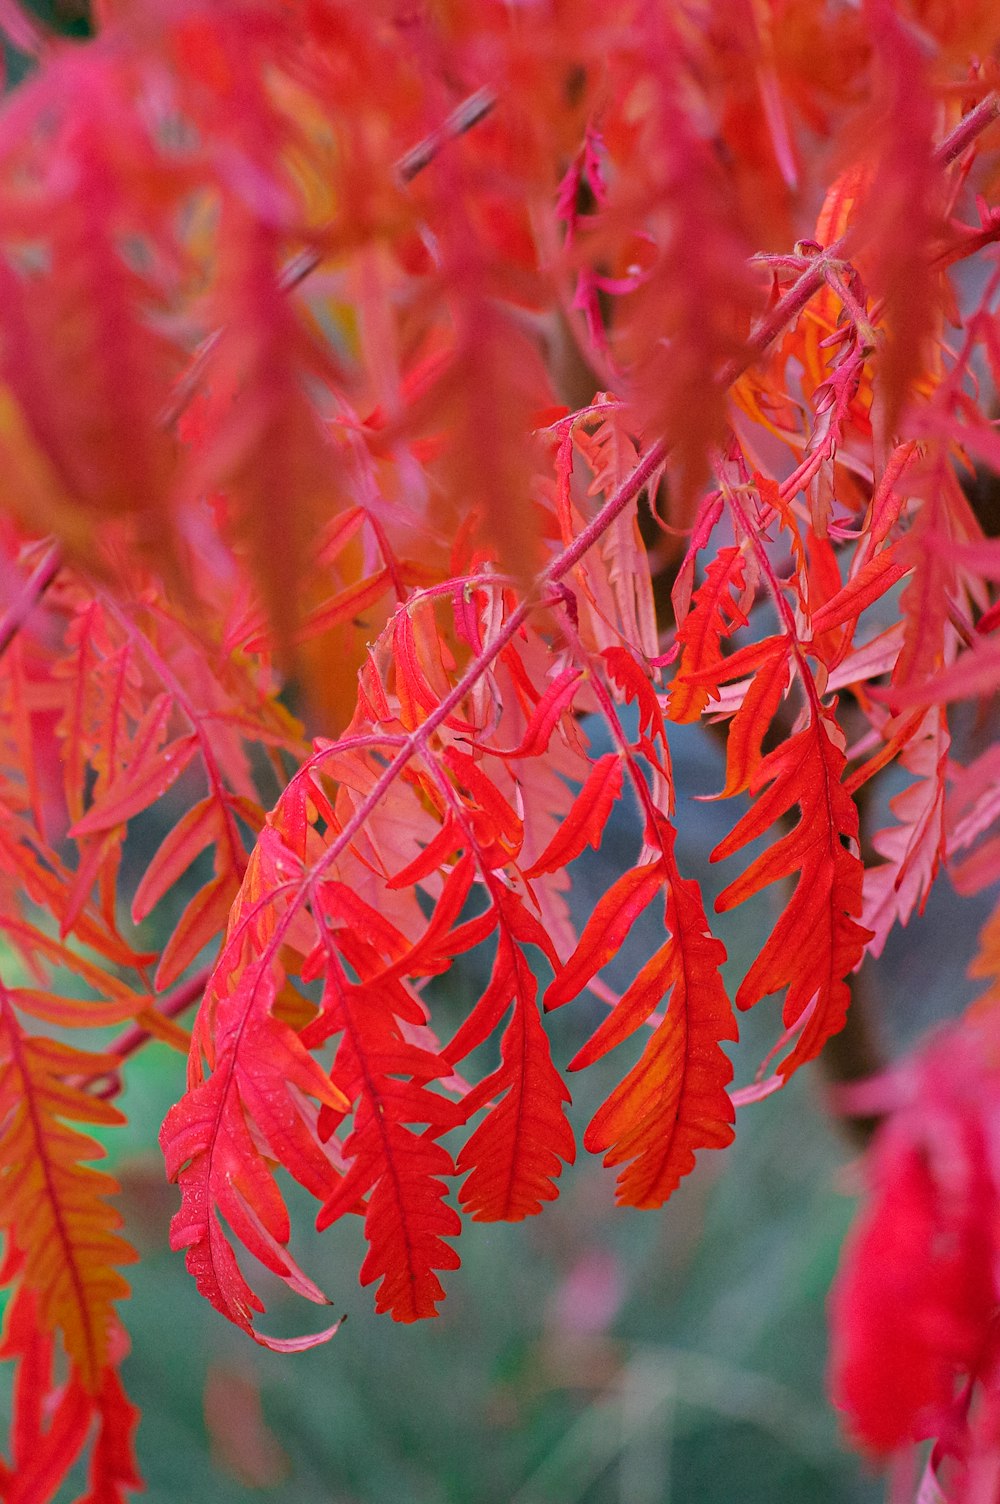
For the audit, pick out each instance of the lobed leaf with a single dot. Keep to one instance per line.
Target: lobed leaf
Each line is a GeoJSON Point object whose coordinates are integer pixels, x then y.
{"type": "Point", "coordinates": [817, 941]}
{"type": "Point", "coordinates": [674, 1100]}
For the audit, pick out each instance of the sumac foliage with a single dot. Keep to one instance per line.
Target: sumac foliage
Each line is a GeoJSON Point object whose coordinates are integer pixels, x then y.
{"type": "Point", "coordinates": [409, 414]}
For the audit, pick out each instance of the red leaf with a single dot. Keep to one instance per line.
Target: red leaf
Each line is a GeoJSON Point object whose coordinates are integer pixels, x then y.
{"type": "Point", "coordinates": [915, 847]}
{"type": "Point", "coordinates": [183, 845]}
{"type": "Point", "coordinates": [437, 851]}
{"type": "Point", "coordinates": [613, 917]}
{"type": "Point", "coordinates": [140, 787]}
{"type": "Point", "coordinates": [50, 1421]}
{"type": "Point", "coordinates": [406, 1218]}
{"type": "Point", "coordinates": [499, 832]}
{"type": "Point", "coordinates": [674, 1100]}
{"type": "Point", "coordinates": [545, 717]}
{"type": "Point", "coordinates": [514, 1155]}
{"type": "Point", "coordinates": [749, 725]}
{"type": "Point", "coordinates": [416, 697]}
{"type": "Point", "coordinates": [816, 943]}
{"type": "Point", "coordinates": [917, 1287]}
{"type": "Point", "coordinates": [150, 770]}
{"type": "Point", "coordinates": [634, 683]}
{"type": "Point", "coordinates": [489, 1008]}
{"type": "Point", "coordinates": [258, 1065]}
{"type": "Point", "coordinates": [869, 584]}
{"type": "Point", "coordinates": [713, 615]}
{"type": "Point", "coordinates": [586, 818]}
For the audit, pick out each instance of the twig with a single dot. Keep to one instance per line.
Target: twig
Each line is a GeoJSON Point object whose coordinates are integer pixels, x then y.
{"type": "Point", "coordinates": [789, 305]}
{"type": "Point", "coordinates": [462, 119]}
{"type": "Point", "coordinates": [34, 588]}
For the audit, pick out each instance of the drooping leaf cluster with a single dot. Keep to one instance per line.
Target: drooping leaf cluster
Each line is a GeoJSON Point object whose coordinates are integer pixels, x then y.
{"type": "Point", "coordinates": [470, 377]}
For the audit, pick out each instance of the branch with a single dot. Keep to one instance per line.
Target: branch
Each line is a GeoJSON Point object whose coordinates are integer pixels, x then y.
{"type": "Point", "coordinates": [175, 1003]}
{"type": "Point", "coordinates": [133, 1038]}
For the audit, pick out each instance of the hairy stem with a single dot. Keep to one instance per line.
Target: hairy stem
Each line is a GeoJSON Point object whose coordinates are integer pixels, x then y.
{"type": "Point", "coordinates": [967, 129]}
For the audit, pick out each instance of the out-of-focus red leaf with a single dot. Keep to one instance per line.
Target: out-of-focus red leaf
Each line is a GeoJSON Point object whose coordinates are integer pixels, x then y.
{"type": "Point", "coordinates": [916, 1294]}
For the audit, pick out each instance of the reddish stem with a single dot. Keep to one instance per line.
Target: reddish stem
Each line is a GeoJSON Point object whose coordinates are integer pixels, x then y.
{"type": "Point", "coordinates": [967, 129]}
{"type": "Point", "coordinates": [787, 308]}
{"type": "Point", "coordinates": [133, 1038]}
{"type": "Point", "coordinates": [175, 1003]}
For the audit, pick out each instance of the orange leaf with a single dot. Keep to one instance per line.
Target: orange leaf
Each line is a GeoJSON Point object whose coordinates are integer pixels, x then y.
{"type": "Point", "coordinates": [184, 844]}
{"type": "Point", "coordinates": [203, 920]}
